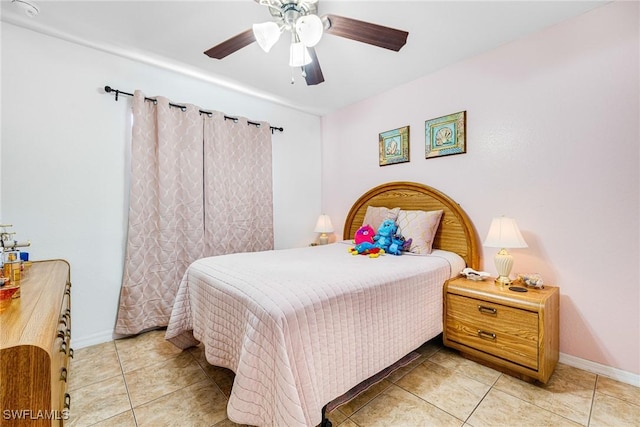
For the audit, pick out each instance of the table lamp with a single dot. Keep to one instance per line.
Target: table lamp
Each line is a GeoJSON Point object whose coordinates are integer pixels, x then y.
{"type": "Point", "coordinates": [504, 234]}
{"type": "Point", "coordinates": [323, 226]}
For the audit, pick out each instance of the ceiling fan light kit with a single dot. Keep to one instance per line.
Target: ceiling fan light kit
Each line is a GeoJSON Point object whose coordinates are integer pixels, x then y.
{"type": "Point", "coordinates": [309, 28]}
{"type": "Point", "coordinates": [293, 17]}
{"type": "Point", "coordinates": [266, 34]}
{"type": "Point", "coordinates": [298, 55]}
{"type": "Point", "coordinates": [300, 18]}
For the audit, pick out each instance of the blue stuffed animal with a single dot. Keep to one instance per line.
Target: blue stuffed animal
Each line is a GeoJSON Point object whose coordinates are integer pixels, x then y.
{"type": "Point", "coordinates": [385, 233]}
{"type": "Point", "coordinates": [397, 245]}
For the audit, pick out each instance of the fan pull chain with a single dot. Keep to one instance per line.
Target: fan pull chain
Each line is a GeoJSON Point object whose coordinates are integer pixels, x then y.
{"type": "Point", "coordinates": [292, 79]}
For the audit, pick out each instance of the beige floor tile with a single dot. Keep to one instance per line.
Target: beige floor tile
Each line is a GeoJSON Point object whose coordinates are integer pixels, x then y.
{"type": "Point", "coordinates": [94, 364]}
{"type": "Point", "coordinates": [93, 352]}
{"type": "Point", "coordinates": [168, 384]}
{"type": "Point", "coordinates": [611, 411]}
{"type": "Point", "coordinates": [223, 377]}
{"type": "Point", "coordinates": [197, 352]}
{"type": "Point", "coordinates": [336, 417]}
{"type": "Point", "coordinates": [614, 388]}
{"type": "Point", "coordinates": [445, 388]}
{"type": "Point", "coordinates": [396, 375]}
{"type": "Point", "coordinates": [499, 409]}
{"type": "Point", "coordinates": [452, 360]}
{"type": "Point", "coordinates": [125, 419]}
{"type": "Point", "coordinates": [98, 402]}
{"type": "Point", "coordinates": [431, 347]}
{"type": "Point", "coordinates": [397, 407]}
{"type": "Point", "coordinates": [568, 393]}
{"type": "Point", "coordinates": [144, 350]}
{"type": "Point", "coordinates": [228, 423]}
{"type": "Point", "coordinates": [201, 404]}
{"type": "Point", "coordinates": [426, 350]}
{"type": "Point", "coordinates": [153, 381]}
{"type": "Point", "coordinates": [347, 423]}
{"type": "Point", "coordinates": [363, 398]}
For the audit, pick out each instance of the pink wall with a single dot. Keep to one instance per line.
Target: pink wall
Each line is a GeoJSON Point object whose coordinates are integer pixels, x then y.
{"type": "Point", "coordinates": [553, 140]}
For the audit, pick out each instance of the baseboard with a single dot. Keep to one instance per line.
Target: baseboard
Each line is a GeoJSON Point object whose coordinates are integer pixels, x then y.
{"type": "Point", "coordinates": [93, 339]}
{"type": "Point", "coordinates": [597, 368]}
{"type": "Point", "coordinates": [102, 337]}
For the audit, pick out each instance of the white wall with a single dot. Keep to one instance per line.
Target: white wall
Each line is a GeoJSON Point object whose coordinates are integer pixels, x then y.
{"type": "Point", "coordinates": [65, 160]}
{"type": "Point", "coordinates": [553, 140]}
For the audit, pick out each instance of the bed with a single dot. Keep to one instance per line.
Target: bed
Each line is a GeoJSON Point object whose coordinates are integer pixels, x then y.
{"type": "Point", "coordinates": [300, 327]}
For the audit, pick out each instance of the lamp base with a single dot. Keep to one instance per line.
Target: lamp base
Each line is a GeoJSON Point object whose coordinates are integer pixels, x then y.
{"type": "Point", "coordinates": [323, 239]}
{"type": "Point", "coordinates": [503, 281]}
{"type": "Point", "coordinates": [504, 262]}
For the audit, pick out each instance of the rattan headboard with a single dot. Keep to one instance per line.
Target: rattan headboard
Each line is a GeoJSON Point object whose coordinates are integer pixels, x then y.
{"type": "Point", "coordinates": [456, 232]}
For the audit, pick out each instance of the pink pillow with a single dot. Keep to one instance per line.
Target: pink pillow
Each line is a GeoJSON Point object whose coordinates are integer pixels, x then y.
{"type": "Point", "coordinates": [421, 227]}
{"type": "Point", "coordinates": [375, 215]}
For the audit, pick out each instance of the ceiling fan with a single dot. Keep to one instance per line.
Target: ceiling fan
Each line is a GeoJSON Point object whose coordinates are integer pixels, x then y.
{"type": "Point", "coordinates": [300, 19]}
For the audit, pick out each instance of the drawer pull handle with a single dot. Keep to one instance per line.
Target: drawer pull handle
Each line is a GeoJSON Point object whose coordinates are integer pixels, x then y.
{"type": "Point", "coordinates": [63, 347]}
{"type": "Point", "coordinates": [486, 335]}
{"type": "Point", "coordinates": [63, 374]}
{"type": "Point", "coordinates": [61, 335]}
{"type": "Point", "coordinates": [71, 353]}
{"type": "Point", "coordinates": [487, 310]}
{"type": "Point", "coordinates": [67, 401]}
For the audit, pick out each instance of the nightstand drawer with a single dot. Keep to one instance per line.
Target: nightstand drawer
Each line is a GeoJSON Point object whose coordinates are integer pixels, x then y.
{"type": "Point", "coordinates": [502, 331]}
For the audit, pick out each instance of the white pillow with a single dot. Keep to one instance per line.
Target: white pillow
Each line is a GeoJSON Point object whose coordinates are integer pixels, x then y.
{"type": "Point", "coordinates": [375, 215]}
{"type": "Point", "coordinates": [420, 227]}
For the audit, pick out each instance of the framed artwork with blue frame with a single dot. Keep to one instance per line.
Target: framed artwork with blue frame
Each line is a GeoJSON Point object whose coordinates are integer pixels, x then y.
{"type": "Point", "coordinates": [393, 146]}
{"type": "Point", "coordinates": [445, 135]}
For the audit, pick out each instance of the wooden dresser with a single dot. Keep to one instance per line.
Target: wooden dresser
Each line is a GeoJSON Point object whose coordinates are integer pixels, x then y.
{"type": "Point", "coordinates": [515, 332]}
{"type": "Point", "coordinates": [35, 334]}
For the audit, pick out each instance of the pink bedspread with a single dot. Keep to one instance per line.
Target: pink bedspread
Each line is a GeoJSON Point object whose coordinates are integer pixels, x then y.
{"type": "Point", "coordinates": [300, 327]}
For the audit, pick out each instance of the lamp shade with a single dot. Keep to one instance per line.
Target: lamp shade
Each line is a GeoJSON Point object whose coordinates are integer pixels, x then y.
{"type": "Point", "coordinates": [324, 224]}
{"type": "Point", "coordinates": [309, 29]}
{"type": "Point", "coordinates": [266, 34]}
{"type": "Point", "coordinates": [504, 233]}
{"type": "Point", "coordinates": [298, 55]}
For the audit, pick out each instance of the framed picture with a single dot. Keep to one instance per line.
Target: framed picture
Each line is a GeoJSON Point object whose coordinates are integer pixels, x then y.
{"type": "Point", "coordinates": [394, 146]}
{"type": "Point", "coordinates": [445, 135]}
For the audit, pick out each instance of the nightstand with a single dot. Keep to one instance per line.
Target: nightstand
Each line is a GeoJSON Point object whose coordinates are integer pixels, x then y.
{"type": "Point", "coordinates": [514, 332]}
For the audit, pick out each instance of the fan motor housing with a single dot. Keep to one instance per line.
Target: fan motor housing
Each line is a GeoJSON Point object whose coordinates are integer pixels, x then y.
{"type": "Point", "coordinates": [290, 12]}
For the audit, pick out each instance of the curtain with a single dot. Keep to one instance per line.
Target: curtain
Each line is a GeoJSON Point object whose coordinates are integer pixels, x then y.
{"type": "Point", "coordinates": [201, 185]}
{"type": "Point", "coordinates": [238, 178]}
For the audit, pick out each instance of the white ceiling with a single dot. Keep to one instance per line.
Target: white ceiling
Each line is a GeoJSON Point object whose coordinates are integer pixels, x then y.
{"type": "Point", "coordinates": [174, 34]}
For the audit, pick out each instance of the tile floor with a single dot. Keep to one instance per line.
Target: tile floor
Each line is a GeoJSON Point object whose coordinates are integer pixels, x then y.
{"type": "Point", "coordinates": [146, 381]}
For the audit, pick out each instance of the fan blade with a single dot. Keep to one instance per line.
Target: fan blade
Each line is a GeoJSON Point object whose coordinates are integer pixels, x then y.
{"type": "Point", "coordinates": [366, 32]}
{"type": "Point", "coordinates": [235, 43]}
{"type": "Point", "coordinates": [313, 72]}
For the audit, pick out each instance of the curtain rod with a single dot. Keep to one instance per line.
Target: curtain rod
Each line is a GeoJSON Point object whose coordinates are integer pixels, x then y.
{"type": "Point", "coordinates": [109, 89]}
